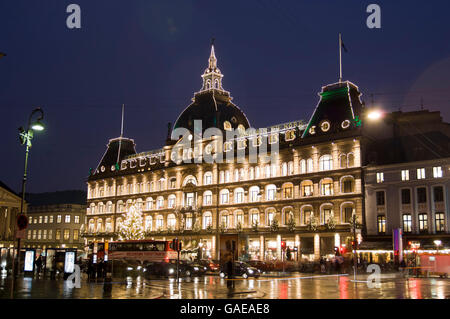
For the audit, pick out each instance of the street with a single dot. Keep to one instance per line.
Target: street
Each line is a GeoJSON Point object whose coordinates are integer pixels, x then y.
{"type": "Point", "coordinates": [292, 286]}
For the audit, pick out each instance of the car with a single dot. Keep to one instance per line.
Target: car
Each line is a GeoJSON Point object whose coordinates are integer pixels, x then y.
{"type": "Point", "coordinates": [261, 265]}
{"type": "Point", "coordinates": [241, 268]}
{"type": "Point", "coordinates": [188, 269]}
{"type": "Point", "coordinates": [211, 265]}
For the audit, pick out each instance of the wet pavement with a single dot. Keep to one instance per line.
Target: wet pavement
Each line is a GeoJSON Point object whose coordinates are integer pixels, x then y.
{"type": "Point", "coordinates": [292, 286]}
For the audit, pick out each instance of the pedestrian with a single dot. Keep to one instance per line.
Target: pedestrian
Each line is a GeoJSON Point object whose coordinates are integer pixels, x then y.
{"type": "Point", "coordinates": [100, 269]}
{"type": "Point", "coordinates": [229, 271]}
{"type": "Point", "coordinates": [322, 265]}
{"type": "Point", "coordinates": [38, 263]}
{"type": "Point", "coordinates": [53, 270]}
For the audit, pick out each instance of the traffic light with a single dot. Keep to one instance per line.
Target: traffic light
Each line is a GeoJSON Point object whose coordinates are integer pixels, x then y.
{"type": "Point", "coordinates": [176, 244]}
{"type": "Point", "coordinates": [283, 245]}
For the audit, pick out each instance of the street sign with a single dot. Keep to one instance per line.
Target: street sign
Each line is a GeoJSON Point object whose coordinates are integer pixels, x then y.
{"type": "Point", "coordinates": [22, 222]}
{"type": "Point", "coordinates": [20, 234]}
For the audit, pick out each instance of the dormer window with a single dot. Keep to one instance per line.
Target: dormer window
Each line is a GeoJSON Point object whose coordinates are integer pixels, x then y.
{"type": "Point", "coordinates": [227, 126]}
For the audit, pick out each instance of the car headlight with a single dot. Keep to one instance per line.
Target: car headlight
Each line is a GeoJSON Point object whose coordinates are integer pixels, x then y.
{"type": "Point", "coordinates": [250, 271]}
{"type": "Point", "coordinates": [139, 267]}
{"type": "Point", "coordinates": [171, 271]}
{"type": "Point", "coordinates": [196, 268]}
{"type": "Point", "coordinates": [129, 268]}
{"type": "Point", "coordinates": [204, 268]}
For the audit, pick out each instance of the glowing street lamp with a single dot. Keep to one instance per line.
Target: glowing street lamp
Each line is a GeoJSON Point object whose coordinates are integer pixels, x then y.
{"type": "Point", "coordinates": [25, 137]}
{"type": "Point", "coordinates": [374, 115]}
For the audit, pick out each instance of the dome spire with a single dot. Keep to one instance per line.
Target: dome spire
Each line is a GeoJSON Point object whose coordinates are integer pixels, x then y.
{"type": "Point", "coordinates": [212, 77]}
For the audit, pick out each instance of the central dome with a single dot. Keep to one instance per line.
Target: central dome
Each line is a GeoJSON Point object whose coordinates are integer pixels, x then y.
{"type": "Point", "coordinates": [212, 105]}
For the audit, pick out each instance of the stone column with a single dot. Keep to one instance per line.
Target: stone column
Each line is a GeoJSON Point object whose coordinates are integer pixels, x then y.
{"type": "Point", "coordinates": [261, 247]}
{"type": "Point", "coordinates": [316, 247]}
{"type": "Point", "coordinates": [279, 247]}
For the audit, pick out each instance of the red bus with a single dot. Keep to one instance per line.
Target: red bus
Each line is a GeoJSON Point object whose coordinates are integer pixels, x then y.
{"type": "Point", "coordinates": [141, 250]}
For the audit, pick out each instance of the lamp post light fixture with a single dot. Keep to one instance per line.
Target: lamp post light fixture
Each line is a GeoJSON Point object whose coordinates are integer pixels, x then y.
{"type": "Point", "coordinates": [25, 137]}
{"type": "Point", "coordinates": [374, 115]}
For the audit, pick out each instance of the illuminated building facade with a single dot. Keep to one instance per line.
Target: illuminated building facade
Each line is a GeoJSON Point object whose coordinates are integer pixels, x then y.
{"type": "Point", "coordinates": [304, 190]}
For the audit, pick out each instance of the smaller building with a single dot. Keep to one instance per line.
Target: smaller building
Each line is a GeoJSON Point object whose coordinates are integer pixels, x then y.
{"type": "Point", "coordinates": [9, 209]}
{"type": "Point", "coordinates": [55, 226]}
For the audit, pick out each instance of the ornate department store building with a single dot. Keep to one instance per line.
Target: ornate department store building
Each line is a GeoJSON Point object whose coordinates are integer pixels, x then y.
{"type": "Point", "coordinates": [303, 191]}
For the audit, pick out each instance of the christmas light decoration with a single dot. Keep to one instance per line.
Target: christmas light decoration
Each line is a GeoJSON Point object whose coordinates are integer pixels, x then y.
{"type": "Point", "coordinates": [132, 227]}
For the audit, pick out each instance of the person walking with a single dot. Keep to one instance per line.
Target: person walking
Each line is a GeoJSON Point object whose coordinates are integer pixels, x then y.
{"type": "Point", "coordinates": [38, 264]}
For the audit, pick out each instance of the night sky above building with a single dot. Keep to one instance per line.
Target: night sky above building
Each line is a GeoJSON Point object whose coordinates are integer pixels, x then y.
{"type": "Point", "coordinates": [149, 55]}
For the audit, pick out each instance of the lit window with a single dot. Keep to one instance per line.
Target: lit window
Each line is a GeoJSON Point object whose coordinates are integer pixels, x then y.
{"type": "Point", "coordinates": [188, 221]}
{"type": "Point", "coordinates": [440, 222]}
{"type": "Point", "coordinates": [327, 187]}
{"type": "Point", "coordinates": [310, 165]}
{"type": "Point", "coordinates": [51, 219]}
{"type": "Point", "coordinates": [380, 177]}
{"type": "Point", "coordinates": [381, 221]}
{"type": "Point", "coordinates": [207, 220]}
{"type": "Point", "coordinates": [407, 223]}
{"type": "Point", "coordinates": [45, 219]}
{"type": "Point", "coordinates": [207, 198]}
{"type": "Point", "coordinates": [40, 219]}
{"type": "Point", "coordinates": [67, 219]}
{"type": "Point", "coordinates": [44, 234]}
{"type": "Point", "coordinates": [405, 175]}
{"type": "Point", "coordinates": [171, 221]}
{"type": "Point", "coordinates": [58, 219]}
{"type": "Point", "coordinates": [224, 197]}
{"type": "Point", "coordinates": [239, 196]}
{"type": "Point", "coordinates": [271, 192]}
{"type": "Point", "coordinates": [75, 234]}
{"type": "Point", "coordinates": [437, 172]}
{"type": "Point", "coordinates": [58, 234]}
{"type": "Point", "coordinates": [326, 163]}
{"type": "Point", "coordinates": [254, 192]}
{"type": "Point", "coordinates": [208, 178]}
{"type": "Point", "coordinates": [76, 219]}
{"type": "Point", "coordinates": [66, 234]}
{"type": "Point", "coordinates": [420, 173]}
{"type": "Point", "coordinates": [171, 201]}
{"type": "Point", "coordinates": [39, 234]}
{"type": "Point", "coordinates": [326, 214]}
{"type": "Point", "coordinates": [423, 222]}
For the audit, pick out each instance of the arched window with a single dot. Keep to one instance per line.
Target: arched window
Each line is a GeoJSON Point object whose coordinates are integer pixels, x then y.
{"type": "Point", "coordinates": [227, 176]}
{"type": "Point", "coordinates": [207, 178]}
{"type": "Point", "coordinates": [190, 180]}
{"type": "Point", "coordinates": [254, 217]}
{"type": "Point", "coordinates": [288, 213]}
{"type": "Point", "coordinates": [109, 207]}
{"type": "Point", "coordinates": [288, 191]}
{"type": "Point", "coordinates": [99, 225]}
{"type": "Point", "coordinates": [148, 223]}
{"type": "Point", "coordinates": [325, 163]}
{"type": "Point", "coordinates": [159, 222]}
{"type": "Point", "coordinates": [91, 227]}
{"type": "Point", "coordinates": [171, 221]}
{"type": "Point", "coordinates": [108, 225]}
{"type": "Point", "coordinates": [160, 202]}
{"type": "Point", "coordinates": [172, 183]}
{"type": "Point", "coordinates": [224, 196]}
{"type": "Point", "coordinates": [139, 204]}
{"type": "Point", "coordinates": [251, 173]}
{"type": "Point", "coordinates": [257, 172]}
{"type": "Point", "coordinates": [270, 216]}
{"type": "Point", "coordinates": [302, 166]}
{"type": "Point", "coordinates": [307, 212]}
{"type": "Point", "coordinates": [149, 203]}
{"type": "Point", "coordinates": [101, 208]}
{"type": "Point", "coordinates": [267, 171]}
{"type": "Point", "coordinates": [347, 184]}
{"type": "Point", "coordinates": [343, 161]}
{"type": "Point", "coordinates": [309, 165]}
{"type": "Point", "coordinates": [307, 188]}
{"type": "Point", "coordinates": [347, 210]}
{"type": "Point", "coordinates": [239, 215]}
{"type": "Point", "coordinates": [291, 168]}
{"type": "Point", "coordinates": [254, 194]}
{"type": "Point", "coordinates": [241, 174]}
{"type": "Point", "coordinates": [207, 198]}
{"type": "Point", "coordinates": [326, 187]}
{"type": "Point", "coordinates": [238, 195]}
{"type": "Point", "coordinates": [350, 160]}
{"type": "Point", "coordinates": [225, 219]}
{"type": "Point", "coordinates": [284, 169]}
{"type": "Point", "coordinates": [271, 192]}
{"type": "Point", "coordinates": [208, 84]}
{"type": "Point", "coordinates": [118, 223]}
{"type": "Point", "coordinates": [236, 175]}
{"type": "Point", "coordinates": [171, 200]}
{"type": "Point", "coordinates": [120, 207]}
{"type": "Point", "coordinates": [222, 177]}
{"type": "Point", "coordinates": [207, 219]}
{"type": "Point", "coordinates": [326, 212]}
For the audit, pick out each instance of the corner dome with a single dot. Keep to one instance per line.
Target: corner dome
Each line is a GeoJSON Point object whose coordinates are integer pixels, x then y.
{"type": "Point", "coordinates": [212, 104]}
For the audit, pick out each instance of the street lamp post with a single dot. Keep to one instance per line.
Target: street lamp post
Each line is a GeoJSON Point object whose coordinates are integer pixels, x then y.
{"type": "Point", "coordinates": [25, 137]}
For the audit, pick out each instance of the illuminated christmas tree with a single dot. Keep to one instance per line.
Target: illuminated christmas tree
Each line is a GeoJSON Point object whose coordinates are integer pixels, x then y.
{"type": "Point", "coordinates": [132, 227]}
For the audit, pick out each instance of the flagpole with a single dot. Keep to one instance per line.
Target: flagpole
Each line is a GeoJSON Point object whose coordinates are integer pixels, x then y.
{"type": "Point", "coordinates": [121, 134]}
{"type": "Point", "coordinates": [340, 58]}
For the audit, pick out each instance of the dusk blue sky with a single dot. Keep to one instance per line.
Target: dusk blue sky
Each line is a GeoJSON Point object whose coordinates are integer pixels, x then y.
{"type": "Point", "coordinates": [149, 55]}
